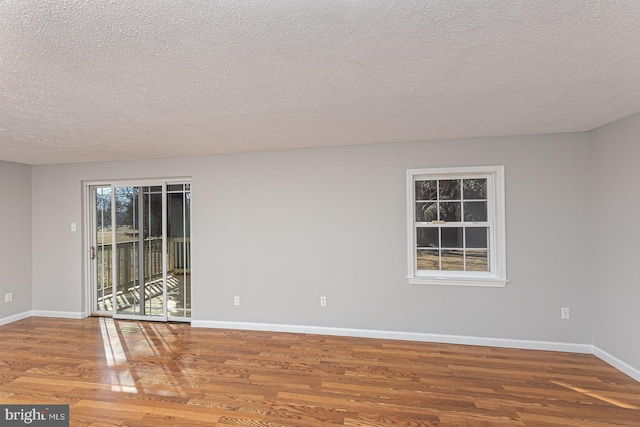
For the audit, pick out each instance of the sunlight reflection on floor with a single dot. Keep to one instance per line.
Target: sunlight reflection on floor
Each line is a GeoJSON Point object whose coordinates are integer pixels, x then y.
{"type": "Point", "coordinates": [152, 343]}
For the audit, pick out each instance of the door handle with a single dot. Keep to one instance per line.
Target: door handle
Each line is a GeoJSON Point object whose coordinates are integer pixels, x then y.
{"type": "Point", "coordinates": [93, 252]}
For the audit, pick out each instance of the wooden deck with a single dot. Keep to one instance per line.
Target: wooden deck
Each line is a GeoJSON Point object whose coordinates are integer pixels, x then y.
{"type": "Point", "coordinates": [128, 301]}
{"type": "Point", "coordinates": [175, 375]}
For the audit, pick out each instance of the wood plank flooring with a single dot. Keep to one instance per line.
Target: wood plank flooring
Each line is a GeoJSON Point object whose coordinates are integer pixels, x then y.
{"type": "Point", "coordinates": [175, 375]}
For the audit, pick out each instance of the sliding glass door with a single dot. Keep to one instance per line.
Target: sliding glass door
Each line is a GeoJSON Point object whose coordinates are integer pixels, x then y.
{"type": "Point", "coordinates": [141, 251]}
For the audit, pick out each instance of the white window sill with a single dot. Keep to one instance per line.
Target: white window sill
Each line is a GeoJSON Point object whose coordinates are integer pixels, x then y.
{"type": "Point", "coordinates": [456, 281]}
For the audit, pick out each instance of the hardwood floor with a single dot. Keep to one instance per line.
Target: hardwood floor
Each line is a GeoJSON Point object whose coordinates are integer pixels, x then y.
{"type": "Point", "coordinates": [175, 375]}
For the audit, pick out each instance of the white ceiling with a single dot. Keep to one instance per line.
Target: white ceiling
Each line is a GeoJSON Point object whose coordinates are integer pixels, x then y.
{"type": "Point", "coordinates": [88, 80]}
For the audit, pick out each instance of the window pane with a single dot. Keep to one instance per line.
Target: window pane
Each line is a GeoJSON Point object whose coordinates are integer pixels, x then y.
{"type": "Point", "coordinates": [154, 189]}
{"type": "Point", "coordinates": [152, 222]}
{"type": "Point", "coordinates": [452, 237]}
{"type": "Point", "coordinates": [426, 190]}
{"type": "Point", "coordinates": [477, 261]}
{"type": "Point", "coordinates": [428, 259]}
{"type": "Point", "coordinates": [426, 211]}
{"type": "Point", "coordinates": [477, 237]}
{"type": "Point", "coordinates": [175, 187]}
{"type": "Point", "coordinates": [450, 189]}
{"type": "Point", "coordinates": [475, 211]}
{"type": "Point", "coordinates": [475, 188]}
{"type": "Point", "coordinates": [450, 211]}
{"type": "Point", "coordinates": [452, 260]}
{"type": "Point", "coordinates": [427, 237]}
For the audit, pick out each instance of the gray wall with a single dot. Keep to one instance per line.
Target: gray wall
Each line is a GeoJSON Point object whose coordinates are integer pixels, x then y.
{"type": "Point", "coordinates": [15, 238]}
{"type": "Point", "coordinates": [280, 229]}
{"type": "Point", "coordinates": [615, 198]}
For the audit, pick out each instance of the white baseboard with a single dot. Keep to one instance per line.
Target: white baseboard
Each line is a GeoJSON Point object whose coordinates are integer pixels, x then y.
{"type": "Point", "coordinates": [393, 335]}
{"type": "Point", "coordinates": [617, 363]}
{"type": "Point", "coordinates": [59, 314]}
{"type": "Point", "coordinates": [15, 318]}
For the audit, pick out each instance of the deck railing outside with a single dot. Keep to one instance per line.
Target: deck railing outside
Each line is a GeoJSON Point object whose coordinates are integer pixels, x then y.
{"type": "Point", "coordinates": [178, 262]}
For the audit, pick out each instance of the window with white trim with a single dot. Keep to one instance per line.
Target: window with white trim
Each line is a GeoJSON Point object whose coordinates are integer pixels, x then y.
{"type": "Point", "coordinates": [456, 226]}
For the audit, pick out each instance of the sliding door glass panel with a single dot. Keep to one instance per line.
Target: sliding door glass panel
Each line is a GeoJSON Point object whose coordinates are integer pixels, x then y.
{"type": "Point", "coordinates": [101, 253]}
{"type": "Point", "coordinates": [179, 250]}
{"type": "Point", "coordinates": [127, 296]}
{"type": "Point", "coordinates": [151, 245]}
{"type": "Point", "coordinates": [139, 239]}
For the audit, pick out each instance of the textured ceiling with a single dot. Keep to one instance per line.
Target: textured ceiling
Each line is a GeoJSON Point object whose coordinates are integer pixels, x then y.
{"type": "Point", "coordinates": [89, 80]}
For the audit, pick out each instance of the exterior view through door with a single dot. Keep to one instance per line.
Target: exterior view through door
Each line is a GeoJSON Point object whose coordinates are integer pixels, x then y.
{"type": "Point", "coordinates": [140, 253]}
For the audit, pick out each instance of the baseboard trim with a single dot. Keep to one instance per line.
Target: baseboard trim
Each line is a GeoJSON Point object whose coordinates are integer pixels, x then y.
{"type": "Point", "coordinates": [394, 335]}
{"type": "Point", "coordinates": [15, 318]}
{"type": "Point", "coordinates": [59, 314]}
{"type": "Point", "coordinates": [617, 363]}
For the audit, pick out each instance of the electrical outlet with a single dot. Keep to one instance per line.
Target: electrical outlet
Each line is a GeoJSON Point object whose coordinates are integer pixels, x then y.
{"type": "Point", "coordinates": [323, 301]}
{"type": "Point", "coordinates": [564, 312]}
{"type": "Point", "coordinates": [8, 297]}
{"type": "Point", "coordinates": [236, 300]}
